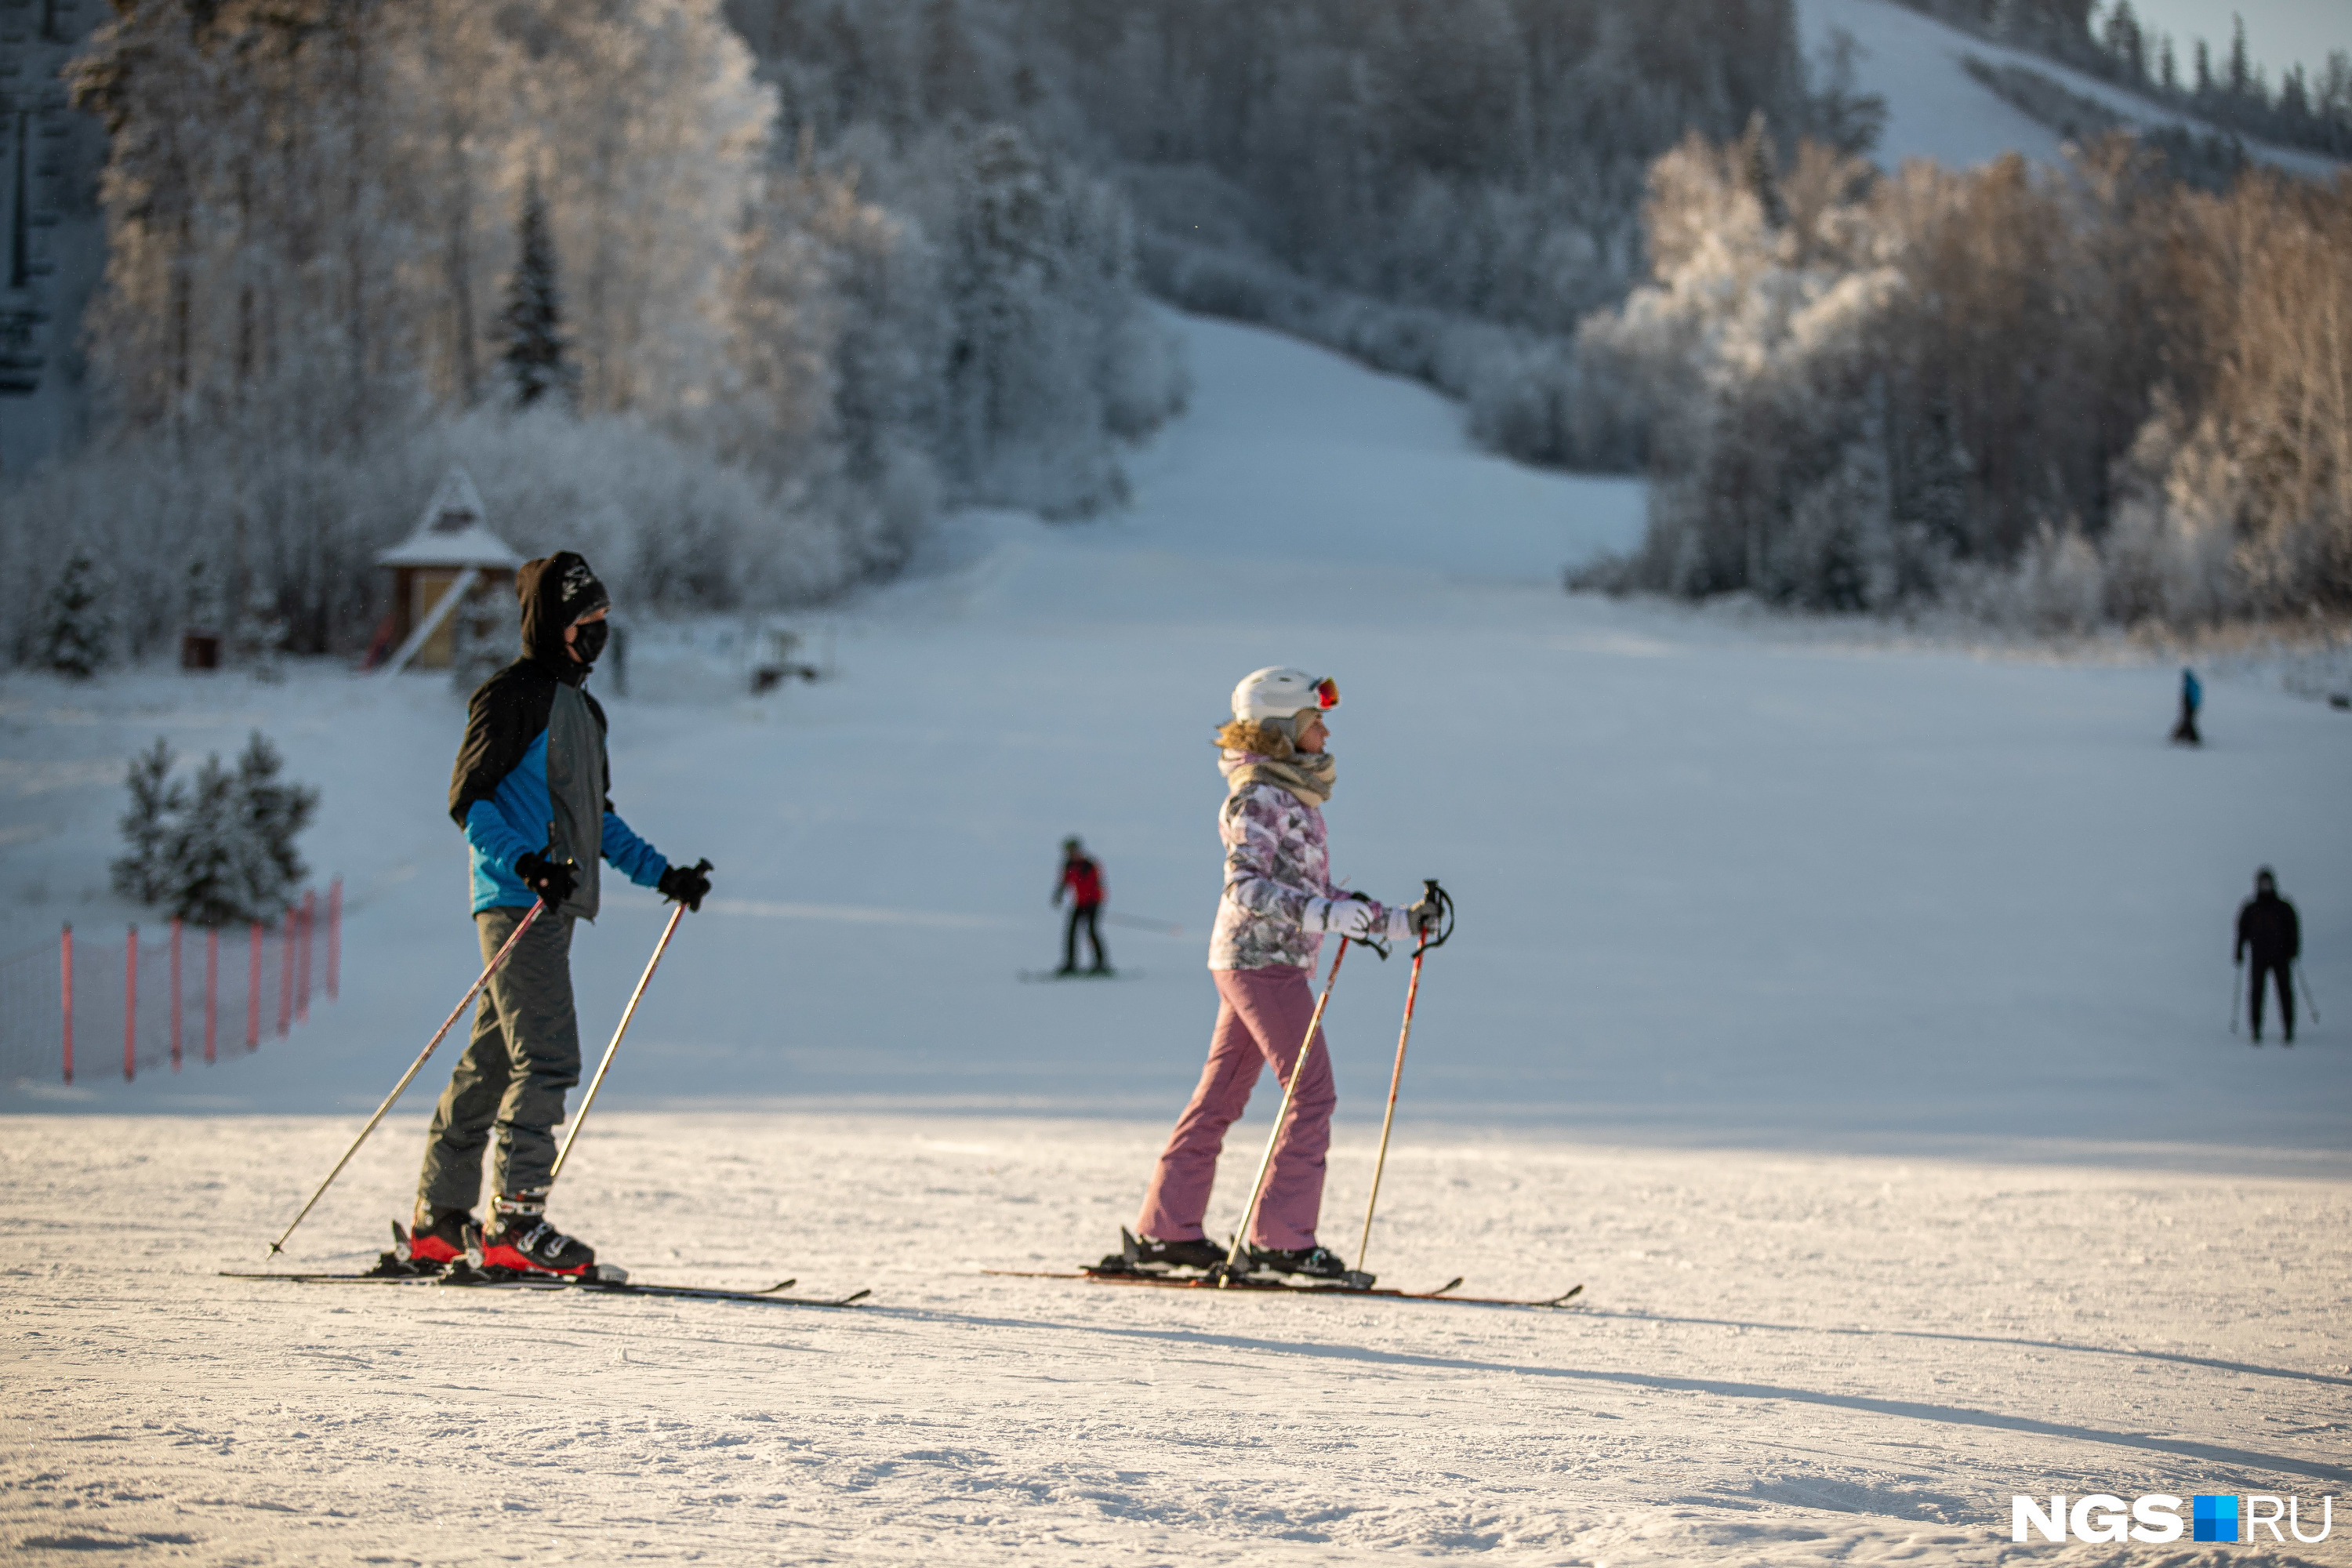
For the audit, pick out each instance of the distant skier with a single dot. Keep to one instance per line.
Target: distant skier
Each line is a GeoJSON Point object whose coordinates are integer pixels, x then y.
{"type": "Point", "coordinates": [1279, 903]}
{"type": "Point", "coordinates": [2267, 924]}
{"type": "Point", "coordinates": [530, 789]}
{"type": "Point", "coordinates": [2192, 697]}
{"type": "Point", "coordinates": [1083, 880]}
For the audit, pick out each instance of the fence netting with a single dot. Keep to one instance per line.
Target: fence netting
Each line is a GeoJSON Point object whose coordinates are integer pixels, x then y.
{"type": "Point", "coordinates": [163, 996]}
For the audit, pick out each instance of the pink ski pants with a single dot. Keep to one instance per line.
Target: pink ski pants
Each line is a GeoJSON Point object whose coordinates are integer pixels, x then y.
{"type": "Point", "coordinates": [1262, 1020]}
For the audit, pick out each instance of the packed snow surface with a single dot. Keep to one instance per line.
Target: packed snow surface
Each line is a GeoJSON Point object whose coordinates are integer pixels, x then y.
{"type": "Point", "coordinates": [1848, 1019]}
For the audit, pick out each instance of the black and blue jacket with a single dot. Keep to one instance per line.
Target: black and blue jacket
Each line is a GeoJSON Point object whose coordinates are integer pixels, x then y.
{"type": "Point", "coordinates": [507, 794]}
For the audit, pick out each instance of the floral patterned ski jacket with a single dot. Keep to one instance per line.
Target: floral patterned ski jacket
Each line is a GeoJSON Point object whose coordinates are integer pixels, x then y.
{"type": "Point", "coordinates": [1277, 858]}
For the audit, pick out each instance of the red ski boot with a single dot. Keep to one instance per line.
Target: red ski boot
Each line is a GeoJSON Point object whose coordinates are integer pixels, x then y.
{"type": "Point", "coordinates": [519, 1238]}
{"type": "Point", "coordinates": [438, 1237]}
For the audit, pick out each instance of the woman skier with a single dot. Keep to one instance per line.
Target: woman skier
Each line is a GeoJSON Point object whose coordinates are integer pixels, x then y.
{"type": "Point", "coordinates": [1278, 905]}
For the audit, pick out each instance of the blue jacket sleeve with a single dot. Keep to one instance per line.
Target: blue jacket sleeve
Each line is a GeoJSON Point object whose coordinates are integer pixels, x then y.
{"type": "Point", "coordinates": [632, 856]}
{"type": "Point", "coordinates": [492, 838]}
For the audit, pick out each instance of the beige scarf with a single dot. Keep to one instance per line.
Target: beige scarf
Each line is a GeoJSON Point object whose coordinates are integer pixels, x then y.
{"type": "Point", "coordinates": [1257, 752]}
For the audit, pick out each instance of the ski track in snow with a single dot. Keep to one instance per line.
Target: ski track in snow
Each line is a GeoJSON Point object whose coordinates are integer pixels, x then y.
{"type": "Point", "coordinates": [1847, 1020]}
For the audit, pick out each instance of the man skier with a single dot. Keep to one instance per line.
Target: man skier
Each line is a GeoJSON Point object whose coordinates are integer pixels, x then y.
{"type": "Point", "coordinates": [1278, 905]}
{"type": "Point", "coordinates": [530, 790]}
{"type": "Point", "coordinates": [1082, 879]}
{"type": "Point", "coordinates": [2192, 697]}
{"type": "Point", "coordinates": [2267, 923]}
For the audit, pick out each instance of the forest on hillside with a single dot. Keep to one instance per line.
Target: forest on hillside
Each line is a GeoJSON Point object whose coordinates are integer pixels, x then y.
{"type": "Point", "coordinates": [737, 293]}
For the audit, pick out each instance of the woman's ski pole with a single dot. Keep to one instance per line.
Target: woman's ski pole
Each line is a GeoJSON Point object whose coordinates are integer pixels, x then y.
{"type": "Point", "coordinates": [1396, 1076]}
{"type": "Point", "coordinates": [1226, 1275]}
{"type": "Point", "coordinates": [627, 1013]}
{"type": "Point", "coordinates": [449, 1023]}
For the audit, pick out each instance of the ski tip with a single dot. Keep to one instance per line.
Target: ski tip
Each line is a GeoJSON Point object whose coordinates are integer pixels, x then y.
{"type": "Point", "coordinates": [1564, 1298]}
{"type": "Point", "coordinates": [852, 1301]}
{"type": "Point", "coordinates": [1452, 1284]}
{"type": "Point", "coordinates": [779, 1285]}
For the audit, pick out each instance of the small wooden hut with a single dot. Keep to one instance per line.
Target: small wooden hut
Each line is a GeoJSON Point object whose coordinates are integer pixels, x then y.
{"type": "Point", "coordinates": [451, 542]}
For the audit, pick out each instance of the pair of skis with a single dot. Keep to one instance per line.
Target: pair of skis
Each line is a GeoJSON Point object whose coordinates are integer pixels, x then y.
{"type": "Point", "coordinates": [1204, 1282]}
{"type": "Point", "coordinates": [551, 1284]}
{"type": "Point", "coordinates": [397, 1267]}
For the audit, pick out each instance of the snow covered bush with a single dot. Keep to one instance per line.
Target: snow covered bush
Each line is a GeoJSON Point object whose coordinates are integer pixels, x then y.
{"type": "Point", "coordinates": [217, 849]}
{"type": "Point", "coordinates": [74, 627]}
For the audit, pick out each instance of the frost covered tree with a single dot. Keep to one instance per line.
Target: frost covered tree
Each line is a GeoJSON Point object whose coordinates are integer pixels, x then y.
{"type": "Point", "coordinates": [273, 812]}
{"type": "Point", "coordinates": [210, 856]}
{"type": "Point", "coordinates": [219, 849]}
{"type": "Point", "coordinates": [142, 871]}
{"type": "Point", "coordinates": [535, 354]}
{"type": "Point", "coordinates": [75, 627]}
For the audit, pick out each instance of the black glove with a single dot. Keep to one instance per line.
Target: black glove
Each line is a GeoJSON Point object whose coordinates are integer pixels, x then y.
{"type": "Point", "coordinates": [687, 885]}
{"type": "Point", "coordinates": [553, 880]}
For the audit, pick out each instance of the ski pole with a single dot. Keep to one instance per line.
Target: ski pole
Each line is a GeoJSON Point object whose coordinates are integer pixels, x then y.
{"type": "Point", "coordinates": [2237, 979]}
{"type": "Point", "coordinates": [1266, 1164]}
{"type": "Point", "coordinates": [627, 1013]}
{"type": "Point", "coordinates": [416, 1067]}
{"type": "Point", "coordinates": [2308, 1000]}
{"type": "Point", "coordinates": [1396, 1075]}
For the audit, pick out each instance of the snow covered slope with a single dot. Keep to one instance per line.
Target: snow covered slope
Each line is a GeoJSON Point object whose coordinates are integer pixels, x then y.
{"type": "Point", "coordinates": [1713, 886]}
{"type": "Point", "coordinates": [1936, 110]}
{"type": "Point", "coordinates": [1848, 1022]}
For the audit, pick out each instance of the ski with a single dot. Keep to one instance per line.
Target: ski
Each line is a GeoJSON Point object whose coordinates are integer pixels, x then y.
{"type": "Point", "coordinates": [476, 1279]}
{"type": "Point", "coordinates": [1166, 1282]}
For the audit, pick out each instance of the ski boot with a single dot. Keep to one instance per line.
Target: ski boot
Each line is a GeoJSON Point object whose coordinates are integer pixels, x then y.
{"type": "Point", "coordinates": [1143, 1255]}
{"type": "Point", "coordinates": [520, 1240]}
{"type": "Point", "coordinates": [1316, 1264]}
{"type": "Point", "coordinates": [436, 1239]}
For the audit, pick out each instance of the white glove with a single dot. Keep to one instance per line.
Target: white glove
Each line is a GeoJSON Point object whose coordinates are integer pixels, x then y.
{"type": "Point", "coordinates": [1354, 919]}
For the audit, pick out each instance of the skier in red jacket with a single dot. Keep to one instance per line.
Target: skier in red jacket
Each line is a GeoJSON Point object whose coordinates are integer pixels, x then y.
{"type": "Point", "coordinates": [1082, 879]}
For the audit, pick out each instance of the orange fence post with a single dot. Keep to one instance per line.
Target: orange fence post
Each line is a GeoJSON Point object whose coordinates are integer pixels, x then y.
{"type": "Point", "coordinates": [285, 970]}
{"type": "Point", "coordinates": [212, 989]}
{"type": "Point", "coordinates": [65, 959]}
{"type": "Point", "coordinates": [253, 989]}
{"type": "Point", "coordinates": [130, 1006]}
{"type": "Point", "coordinates": [175, 994]}
{"type": "Point", "coordinates": [302, 986]}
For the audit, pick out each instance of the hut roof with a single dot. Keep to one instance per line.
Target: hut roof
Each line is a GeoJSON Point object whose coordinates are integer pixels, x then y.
{"type": "Point", "coordinates": [452, 533]}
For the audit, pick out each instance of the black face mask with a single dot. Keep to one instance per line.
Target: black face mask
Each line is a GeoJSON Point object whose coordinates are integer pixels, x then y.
{"type": "Point", "coordinates": [588, 641]}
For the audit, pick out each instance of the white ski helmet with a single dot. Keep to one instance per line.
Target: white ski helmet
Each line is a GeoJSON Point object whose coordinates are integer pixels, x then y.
{"type": "Point", "coordinates": [1278, 691]}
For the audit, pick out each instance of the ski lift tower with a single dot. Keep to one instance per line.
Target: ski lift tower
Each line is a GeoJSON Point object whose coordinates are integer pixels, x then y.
{"type": "Point", "coordinates": [452, 553]}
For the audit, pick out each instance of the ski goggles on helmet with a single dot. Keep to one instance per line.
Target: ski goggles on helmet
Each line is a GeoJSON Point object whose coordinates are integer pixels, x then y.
{"type": "Point", "coordinates": [1326, 693]}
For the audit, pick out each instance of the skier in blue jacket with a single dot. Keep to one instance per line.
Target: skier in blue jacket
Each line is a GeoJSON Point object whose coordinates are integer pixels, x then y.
{"type": "Point", "coordinates": [530, 790]}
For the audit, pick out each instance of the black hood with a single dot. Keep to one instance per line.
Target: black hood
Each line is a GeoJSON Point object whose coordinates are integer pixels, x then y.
{"type": "Point", "coordinates": [555, 591]}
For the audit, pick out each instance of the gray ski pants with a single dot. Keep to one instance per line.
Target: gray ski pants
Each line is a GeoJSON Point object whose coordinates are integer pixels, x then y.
{"type": "Point", "coordinates": [524, 1053]}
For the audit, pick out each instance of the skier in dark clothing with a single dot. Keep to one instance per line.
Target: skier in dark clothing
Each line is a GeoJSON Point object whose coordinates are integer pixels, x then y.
{"type": "Point", "coordinates": [530, 790]}
{"type": "Point", "coordinates": [1082, 879]}
{"type": "Point", "coordinates": [2192, 697]}
{"type": "Point", "coordinates": [2267, 924]}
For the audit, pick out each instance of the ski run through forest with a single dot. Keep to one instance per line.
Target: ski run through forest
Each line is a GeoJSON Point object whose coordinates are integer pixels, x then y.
{"type": "Point", "coordinates": [1846, 1017]}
